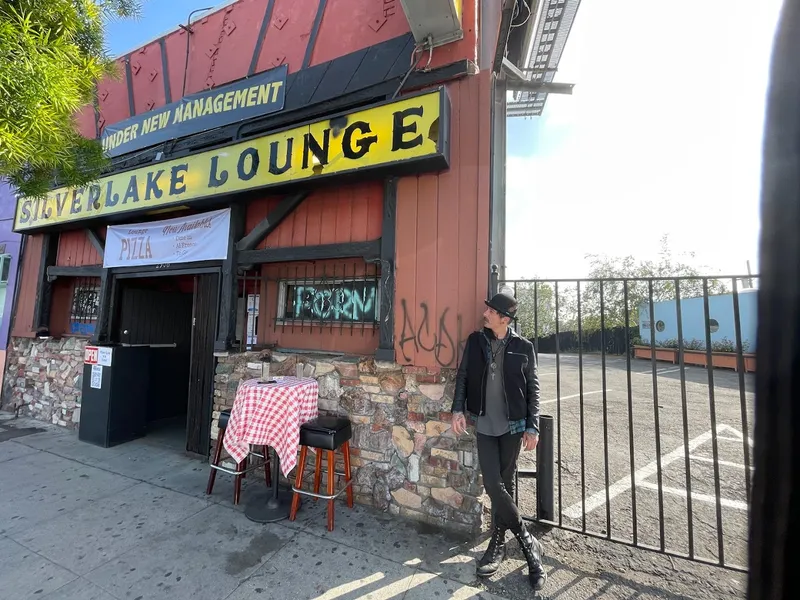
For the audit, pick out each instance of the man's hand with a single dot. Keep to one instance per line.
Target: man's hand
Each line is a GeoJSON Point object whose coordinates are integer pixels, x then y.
{"type": "Point", "coordinates": [529, 441]}
{"type": "Point", "coordinates": [459, 423]}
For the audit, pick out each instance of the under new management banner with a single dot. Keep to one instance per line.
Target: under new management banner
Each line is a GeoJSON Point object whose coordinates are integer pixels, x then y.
{"type": "Point", "coordinates": [254, 96]}
{"type": "Point", "coordinates": [408, 135]}
{"type": "Point", "coordinates": [181, 240]}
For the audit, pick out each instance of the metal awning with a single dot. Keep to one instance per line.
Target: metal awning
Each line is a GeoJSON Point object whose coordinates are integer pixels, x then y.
{"type": "Point", "coordinates": [554, 22]}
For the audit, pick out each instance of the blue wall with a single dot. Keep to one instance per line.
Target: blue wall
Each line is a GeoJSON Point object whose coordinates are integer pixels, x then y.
{"type": "Point", "coordinates": [692, 312]}
{"type": "Point", "coordinates": [11, 240]}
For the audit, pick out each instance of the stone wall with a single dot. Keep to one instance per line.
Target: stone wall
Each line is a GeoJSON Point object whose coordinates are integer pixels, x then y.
{"type": "Point", "coordinates": [44, 379]}
{"type": "Point", "coordinates": [405, 457]}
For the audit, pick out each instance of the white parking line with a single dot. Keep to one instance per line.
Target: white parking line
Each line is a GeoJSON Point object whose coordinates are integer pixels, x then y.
{"type": "Point", "coordinates": [661, 372]}
{"type": "Point", "coordinates": [574, 396]}
{"type": "Point", "coordinates": [623, 484]}
{"type": "Point", "coordinates": [723, 463]}
{"type": "Point", "coordinates": [695, 496]}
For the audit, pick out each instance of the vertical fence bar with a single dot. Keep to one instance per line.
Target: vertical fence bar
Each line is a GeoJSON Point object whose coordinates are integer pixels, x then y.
{"type": "Point", "coordinates": [631, 444]}
{"type": "Point", "coordinates": [685, 415]}
{"type": "Point", "coordinates": [558, 411]}
{"type": "Point", "coordinates": [536, 318]}
{"type": "Point", "coordinates": [713, 415]}
{"type": "Point", "coordinates": [740, 367]}
{"type": "Point", "coordinates": [656, 419]}
{"type": "Point", "coordinates": [605, 407]}
{"type": "Point", "coordinates": [580, 404]}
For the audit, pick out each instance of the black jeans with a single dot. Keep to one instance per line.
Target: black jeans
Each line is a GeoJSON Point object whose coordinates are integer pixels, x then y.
{"type": "Point", "coordinates": [498, 459]}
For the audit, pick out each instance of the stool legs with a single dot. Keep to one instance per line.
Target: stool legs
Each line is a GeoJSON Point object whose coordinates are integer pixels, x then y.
{"type": "Point", "coordinates": [217, 454]}
{"type": "Point", "coordinates": [298, 482]}
{"type": "Point", "coordinates": [346, 452]}
{"type": "Point", "coordinates": [237, 482]}
{"type": "Point", "coordinates": [331, 476]}
{"type": "Point", "coordinates": [317, 473]}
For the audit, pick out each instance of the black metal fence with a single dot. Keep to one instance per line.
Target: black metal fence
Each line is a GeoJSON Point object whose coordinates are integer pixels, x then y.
{"type": "Point", "coordinates": [341, 298]}
{"type": "Point", "coordinates": [649, 382]}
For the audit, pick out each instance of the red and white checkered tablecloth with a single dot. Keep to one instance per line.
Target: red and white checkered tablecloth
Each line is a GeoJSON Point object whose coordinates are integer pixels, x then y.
{"type": "Point", "coordinates": [270, 414]}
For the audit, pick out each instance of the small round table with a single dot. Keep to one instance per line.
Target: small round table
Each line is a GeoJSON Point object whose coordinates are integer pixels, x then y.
{"type": "Point", "coordinates": [269, 413]}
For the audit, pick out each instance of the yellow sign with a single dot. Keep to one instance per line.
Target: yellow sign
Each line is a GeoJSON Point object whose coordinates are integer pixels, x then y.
{"type": "Point", "coordinates": [412, 131]}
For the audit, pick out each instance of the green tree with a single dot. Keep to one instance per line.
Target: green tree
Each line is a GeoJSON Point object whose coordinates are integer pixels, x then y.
{"type": "Point", "coordinates": [662, 273]}
{"type": "Point", "coordinates": [51, 56]}
{"type": "Point", "coordinates": [535, 308]}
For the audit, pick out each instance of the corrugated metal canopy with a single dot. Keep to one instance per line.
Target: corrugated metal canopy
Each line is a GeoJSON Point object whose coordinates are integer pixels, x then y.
{"type": "Point", "coordinates": [553, 24]}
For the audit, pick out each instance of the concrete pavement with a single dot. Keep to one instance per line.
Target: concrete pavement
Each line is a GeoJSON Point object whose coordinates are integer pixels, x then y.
{"type": "Point", "coordinates": [132, 522]}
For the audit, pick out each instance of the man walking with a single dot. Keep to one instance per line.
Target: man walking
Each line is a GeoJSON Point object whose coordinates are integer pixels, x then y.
{"type": "Point", "coordinates": [497, 383]}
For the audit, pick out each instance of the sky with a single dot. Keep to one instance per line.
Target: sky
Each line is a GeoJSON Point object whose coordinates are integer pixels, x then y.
{"type": "Point", "coordinates": [662, 135]}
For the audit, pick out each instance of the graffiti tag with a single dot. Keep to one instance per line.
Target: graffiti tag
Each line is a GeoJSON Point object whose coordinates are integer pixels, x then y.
{"type": "Point", "coordinates": [436, 339]}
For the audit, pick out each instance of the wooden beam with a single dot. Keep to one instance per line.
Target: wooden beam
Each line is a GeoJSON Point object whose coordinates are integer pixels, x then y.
{"type": "Point", "coordinates": [98, 244]}
{"type": "Point", "coordinates": [387, 257]}
{"type": "Point", "coordinates": [101, 332]}
{"type": "Point", "coordinates": [229, 290]}
{"type": "Point", "coordinates": [286, 207]}
{"type": "Point", "coordinates": [41, 318]}
{"type": "Point", "coordinates": [54, 272]}
{"type": "Point", "coordinates": [369, 251]}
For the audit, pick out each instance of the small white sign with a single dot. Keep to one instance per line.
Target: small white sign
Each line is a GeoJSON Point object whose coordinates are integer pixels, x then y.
{"type": "Point", "coordinates": [97, 377]}
{"type": "Point", "coordinates": [104, 356]}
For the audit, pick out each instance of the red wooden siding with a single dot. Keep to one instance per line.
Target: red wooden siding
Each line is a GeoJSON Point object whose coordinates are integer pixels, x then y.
{"type": "Point", "coordinates": [148, 78]}
{"type": "Point", "coordinates": [112, 97]}
{"type": "Point", "coordinates": [75, 250]}
{"type": "Point", "coordinates": [288, 33]}
{"type": "Point", "coordinates": [350, 25]}
{"type": "Point", "coordinates": [442, 260]}
{"type": "Point", "coordinates": [23, 311]}
{"type": "Point", "coordinates": [352, 213]}
{"type": "Point", "coordinates": [357, 339]}
{"type": "Point", "coordinates": [222, 46]}
{"type": "Point", "coordinates": [85, 120]}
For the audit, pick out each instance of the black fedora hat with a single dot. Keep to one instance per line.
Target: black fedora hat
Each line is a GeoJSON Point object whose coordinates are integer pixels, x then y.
{"type": "Point", "coordinates": [505, 304]}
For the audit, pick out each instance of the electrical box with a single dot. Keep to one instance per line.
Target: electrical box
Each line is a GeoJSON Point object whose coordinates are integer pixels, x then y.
{"type": "Point", "coordinates": [439, 19]}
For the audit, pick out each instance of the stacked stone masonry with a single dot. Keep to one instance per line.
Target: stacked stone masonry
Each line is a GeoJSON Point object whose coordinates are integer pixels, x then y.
{"type": "Point", "coordinates": [406, 459]}
{"type": "Point", "coordinates": [44, 378]}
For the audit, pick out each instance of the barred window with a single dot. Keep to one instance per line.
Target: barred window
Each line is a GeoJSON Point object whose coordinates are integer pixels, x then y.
{"type": "Point", "coordinates": [85, 306]}
{"type": "Point", "coordinates": [338, 301]}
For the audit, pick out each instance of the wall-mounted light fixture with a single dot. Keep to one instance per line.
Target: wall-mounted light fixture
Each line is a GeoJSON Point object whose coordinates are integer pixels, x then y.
{"type": "Point", "coordinates": [439, 19]}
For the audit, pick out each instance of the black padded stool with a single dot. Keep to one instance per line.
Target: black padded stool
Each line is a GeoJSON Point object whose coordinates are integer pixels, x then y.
{"type": "Point", "coordinates": [327, 435]}
{"type": "Point", "coordinates": [241, 468]}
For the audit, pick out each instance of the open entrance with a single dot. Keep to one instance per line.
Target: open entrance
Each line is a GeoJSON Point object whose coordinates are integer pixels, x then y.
{"type": "Point", "coordinates": [175, 316]}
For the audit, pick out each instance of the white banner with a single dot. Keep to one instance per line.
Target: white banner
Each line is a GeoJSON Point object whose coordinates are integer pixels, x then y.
{"type": "Point", "coordinates": [181, 240]}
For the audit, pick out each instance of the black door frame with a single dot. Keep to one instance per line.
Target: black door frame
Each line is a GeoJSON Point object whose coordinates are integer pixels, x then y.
{"type": "Point", "coordinates": [171, 270]}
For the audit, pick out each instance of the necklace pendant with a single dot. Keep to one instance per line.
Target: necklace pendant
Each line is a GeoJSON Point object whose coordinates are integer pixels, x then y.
{"type": "Point", "coordinates": [492, 375]}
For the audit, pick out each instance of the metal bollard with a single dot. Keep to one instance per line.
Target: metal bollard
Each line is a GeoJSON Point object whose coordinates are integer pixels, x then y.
{"type": "Point", "coordinates": [545, 511]}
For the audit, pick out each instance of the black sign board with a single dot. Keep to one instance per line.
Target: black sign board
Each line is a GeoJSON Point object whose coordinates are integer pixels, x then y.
{"type": "Point", "coordinates": [252, 97]}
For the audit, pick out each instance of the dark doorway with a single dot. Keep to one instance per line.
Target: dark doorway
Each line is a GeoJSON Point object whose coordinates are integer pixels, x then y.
{"type": "Point", "coordinates": [201, 376]}
{"type": "Point", "coordinates": [158, 312]}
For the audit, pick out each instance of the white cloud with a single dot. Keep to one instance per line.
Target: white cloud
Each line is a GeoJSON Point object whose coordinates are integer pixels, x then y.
{"type": "Point", "coordinates": [662, 135]}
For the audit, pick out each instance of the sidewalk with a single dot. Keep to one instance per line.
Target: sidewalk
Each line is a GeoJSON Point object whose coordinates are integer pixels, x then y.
{"type": "Point", "coordinates": [78, 522]}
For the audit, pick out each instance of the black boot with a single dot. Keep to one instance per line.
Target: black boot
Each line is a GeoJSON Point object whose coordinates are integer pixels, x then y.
{"type": "Point", "coordinates": [533, 551]}
{"type": "Point", "coordinates": [494, 555]}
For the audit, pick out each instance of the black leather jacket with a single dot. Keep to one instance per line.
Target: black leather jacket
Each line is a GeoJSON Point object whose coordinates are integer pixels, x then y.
{"type": "Point", "coordinates": [520, 379]}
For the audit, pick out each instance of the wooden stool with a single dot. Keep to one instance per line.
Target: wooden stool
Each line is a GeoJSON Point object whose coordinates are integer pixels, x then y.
{"type": "Point", "coordinates": [241, 469]}
{"type": "Point", "coordinates": [327, 435]}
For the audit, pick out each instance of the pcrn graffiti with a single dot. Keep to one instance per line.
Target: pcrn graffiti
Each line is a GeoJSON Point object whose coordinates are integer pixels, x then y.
{"type": "Point", "coordinates": [349, 301]}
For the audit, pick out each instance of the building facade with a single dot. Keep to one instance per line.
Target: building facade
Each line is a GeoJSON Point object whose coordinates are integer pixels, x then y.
{"type": "Point", "coordinates": [298, 183]}
{"type": "Point", "coordinates": [721, 320]}
{"type": "Point", "coordinates": [9, 264]}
